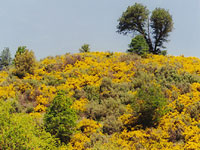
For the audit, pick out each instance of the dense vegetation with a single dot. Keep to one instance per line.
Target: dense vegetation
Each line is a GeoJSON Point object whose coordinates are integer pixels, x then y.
{"type": "Point", "coordinates": [154, 27]}
{"type": "Point", "coordinates": [99, 101]}
{"type": "Point", "coordinates": [103, 100]}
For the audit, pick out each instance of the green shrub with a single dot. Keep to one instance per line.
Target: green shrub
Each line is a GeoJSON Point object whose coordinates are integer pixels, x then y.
{"type": "Point", "coordinates": [24, 63]}
{"type": "Point", "coordinates": [149, 106]}
{"type": "Point", "coordinates": [79, 93]}
{"type": "Point", "coordinates": [163, 52]}
{"type": "Point", "coordinates": [142, 78]}
{"type": "Point", "coordinates": [107, 103]}
{"type": "Point", "coordinates": [20, 131]}
{"type": "Point", "coordinates": [92, 93]}
{"type": "Point", "coordinates": [104, 143]}
{"type": "Point", "coordinates": [111, 124]}
{"type": "Point", "coordinates": [169, 75]}
{"type": "Point", "coordinates": [50, 80]}
{"type": "Point", "coordinates": [85, 48]}
{"type": "Point", "coordinates": [139, 46]}
{"type": "Point", "coordinates": [60, 118]}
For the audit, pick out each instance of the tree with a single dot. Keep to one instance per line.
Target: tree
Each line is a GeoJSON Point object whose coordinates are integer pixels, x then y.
{"type": "Point", "coordinates": [60, 118]}
{"type": "Point", "coordinates": [139, 46]}
{"type": "Point", "coordinates": [25, 62]}
{"type": "Point", "coordinates": [149, 105]}
{"type": "Point", "coordinates": [85, 48]}
{"type": "Point", "coordinates": [21, 131]}
{"type": "Point", "coordinates": [155, 30]}
{"type": "Point", "coordinates": [5, 58]}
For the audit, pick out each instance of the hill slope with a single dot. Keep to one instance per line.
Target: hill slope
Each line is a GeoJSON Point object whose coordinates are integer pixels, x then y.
{"type": "Point", "coordinates": [122, 101]}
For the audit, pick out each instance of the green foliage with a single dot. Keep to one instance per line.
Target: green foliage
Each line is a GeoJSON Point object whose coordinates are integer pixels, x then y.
{"type": "Point", "coordinates": [25, 62]}
{"type": "Point", "coordinates": [135, 20]}
{"type": "Point", "coordinates": [139, 46]}
{"type": "Point", "coordinates": [60, 118]}
{"type": "Point", "coordinates": [161, 24]}
{"type": "Point", "coordinates": [20, 50]}
{"type": "Point", "coordinates": [20, 131]}
{"type": "Point", "coordinates": [102, 142]}
{"type": "Point", "coordinates": [163, 52]}
{"type": "Point", "coordinates": [5, 58]}
{"type": "Point", "coordinates": [52, 81]}
{"type": "Point", "coordinates": [168, 76]}
{"type": "Point", "coordinates": [85, 48]}
{"type": "Point", "coordinates": [149, 105]}
{"type": "Point", "coordinates": [107, 103]}
{"type": "Point", "coordinates": [92, 93]}
{"type": "Point", "coordinates": [141, 78]}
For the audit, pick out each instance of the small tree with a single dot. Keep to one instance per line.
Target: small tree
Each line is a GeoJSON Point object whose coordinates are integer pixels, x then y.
{"type": "Point", "coordinates": [60, 118]}
{"type": "Point", "coordinates": [25, 62]}
{"type": "Point", "coordinates": [155, 30]}
{"type": "Point", "coordinates": [149, 105]}
{"type": "Point", "coordinates": [5, 58]}
{"type": "Point", "coordinates": [139, 46]}
{"type": "Point", "coordinates": [85, 48]}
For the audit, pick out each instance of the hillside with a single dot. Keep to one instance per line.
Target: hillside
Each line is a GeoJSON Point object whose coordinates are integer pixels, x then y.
{"type": "Point", "coordinates": [117, 100]}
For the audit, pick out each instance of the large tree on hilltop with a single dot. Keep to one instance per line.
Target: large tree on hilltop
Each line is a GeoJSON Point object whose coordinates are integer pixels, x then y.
{"type": "Point", "coordinates": [155, 28]}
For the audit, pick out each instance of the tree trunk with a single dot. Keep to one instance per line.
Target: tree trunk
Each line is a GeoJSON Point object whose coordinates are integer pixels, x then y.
{"type": "Point", "coordinates": [148, 40]}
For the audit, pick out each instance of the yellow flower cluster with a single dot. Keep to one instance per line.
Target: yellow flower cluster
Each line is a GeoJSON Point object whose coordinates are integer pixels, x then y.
{"type": "Point", "coordinates": [48, 93]}
{"type": "Point", "coordinates": [79, 105]}
{"type": "Point", "coordinates": [7, 92]}
{"type": "Point", "coordinates": [87, 127]}
{"type": "Point", "coordinates": [78, 141]}
{"type": "Point", "coordinates": [3, 76]}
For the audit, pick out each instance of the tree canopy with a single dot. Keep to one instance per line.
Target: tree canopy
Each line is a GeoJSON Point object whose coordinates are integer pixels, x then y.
{"type": "Point", "coordinates": [155, 28]}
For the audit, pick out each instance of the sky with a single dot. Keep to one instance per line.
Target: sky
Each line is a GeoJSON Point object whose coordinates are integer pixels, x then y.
{"type": "Point", "coordinates": [55, 27]}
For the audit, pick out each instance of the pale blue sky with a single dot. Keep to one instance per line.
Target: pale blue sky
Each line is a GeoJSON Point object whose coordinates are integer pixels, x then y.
{"type": "Point", "coordinates": [54, 27]}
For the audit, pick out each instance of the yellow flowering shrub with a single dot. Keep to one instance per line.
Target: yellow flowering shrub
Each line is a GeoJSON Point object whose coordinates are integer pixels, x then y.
{"type": "Point", "coordinates": [3, 76]}
{"type": "Point", "coordinates": [88, 126]}
{"type": "Point", "coordinates": [111, 106]}
{"type": "Point", "coordinates": [47, 94]}
{"type": "Point", "coordinates": [78, 141]}
{"type": "Point", "coordinates": [7, 92]}
{"type": "Point", "coordinates": [79, 105]}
